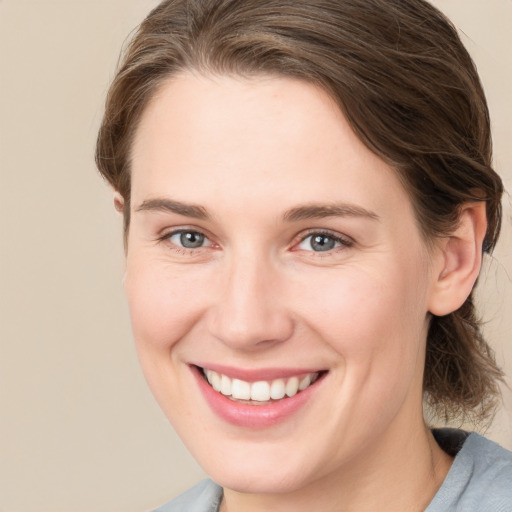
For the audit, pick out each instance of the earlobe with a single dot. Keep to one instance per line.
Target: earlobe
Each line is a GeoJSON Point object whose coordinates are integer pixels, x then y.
{"type": "Point", "coordinates": [118, 202]}
{"type": "Point", "coordinates": [459, 260]}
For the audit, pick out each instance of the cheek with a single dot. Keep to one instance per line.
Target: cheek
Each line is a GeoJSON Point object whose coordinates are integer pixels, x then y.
{"type": "Point", "coordinates": [369, 317]}
{"type": "Point", "coordinates": [164, 303]}
{"type": "Point", "coordinates": [377, 330]}
{"type": "Point", "coordinates": [164, 307]}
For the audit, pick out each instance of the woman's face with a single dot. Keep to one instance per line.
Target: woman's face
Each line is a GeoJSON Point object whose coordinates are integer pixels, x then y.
{"type": "Point", "coordinates": [269, 247]}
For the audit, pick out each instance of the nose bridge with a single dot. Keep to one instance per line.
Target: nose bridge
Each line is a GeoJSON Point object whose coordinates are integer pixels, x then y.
{"type": "Point", "coordinates": [249, 311]}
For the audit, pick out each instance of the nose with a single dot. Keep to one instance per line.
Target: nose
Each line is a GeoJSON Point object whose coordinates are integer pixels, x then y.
{"type": "Point", "coordinates": [250, 311]}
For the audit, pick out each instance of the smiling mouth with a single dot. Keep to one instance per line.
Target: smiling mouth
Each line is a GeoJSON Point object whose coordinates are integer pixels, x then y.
{"type": "Point", "coordinates": [260, 392]}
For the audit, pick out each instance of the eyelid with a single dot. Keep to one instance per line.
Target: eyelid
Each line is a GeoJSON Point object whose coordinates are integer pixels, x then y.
{"type": "Point", "coordinates": [344, 240]}
{"type": "Point", "coordinates": [208, 242]}
{"type": "Point", "coordinates": [165, 235]}
{"type": "Point", "coordinates": [167, 231]}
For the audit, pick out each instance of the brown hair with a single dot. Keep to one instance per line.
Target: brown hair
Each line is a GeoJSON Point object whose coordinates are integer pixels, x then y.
{"type": "Point", "coordinates": [407, 86]}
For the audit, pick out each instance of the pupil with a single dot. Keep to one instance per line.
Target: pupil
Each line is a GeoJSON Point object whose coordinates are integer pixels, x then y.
{"type": "Point", "coordinates": [191, 240]}
{"type": "Point", "coordinates": [322, 243]}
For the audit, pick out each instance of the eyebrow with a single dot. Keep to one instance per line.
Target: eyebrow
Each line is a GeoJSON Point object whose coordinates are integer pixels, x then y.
{"type": "Point", "coordinates": [320, 211]}
{"type": "Point", "coordinates": [169, 205]}
{"type": "Point", "coordinates": [305, 212]}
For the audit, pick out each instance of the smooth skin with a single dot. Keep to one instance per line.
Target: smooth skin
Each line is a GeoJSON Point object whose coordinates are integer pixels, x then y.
{"type": "Point", "coordinates": [288, 243]}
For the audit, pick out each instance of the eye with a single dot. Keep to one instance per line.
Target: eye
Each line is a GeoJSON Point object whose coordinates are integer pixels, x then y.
{"type": "Point", "coordinates": [322, 242]}
{"type": "Point", "coordinates": [188, 239]}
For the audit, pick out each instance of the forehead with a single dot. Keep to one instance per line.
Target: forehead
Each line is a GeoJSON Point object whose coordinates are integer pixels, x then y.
{"type": "Point", "coordinates": [218, 111]}
{"type": "Point", "coordinates": [235, 139]}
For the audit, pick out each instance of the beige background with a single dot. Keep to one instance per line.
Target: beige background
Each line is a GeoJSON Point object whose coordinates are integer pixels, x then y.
{"type": "Point", "coordinates": [79, 432]}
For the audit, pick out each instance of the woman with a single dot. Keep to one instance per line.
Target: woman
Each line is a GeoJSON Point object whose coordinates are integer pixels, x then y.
{"type": "Point", "coordinates": [307, 191]}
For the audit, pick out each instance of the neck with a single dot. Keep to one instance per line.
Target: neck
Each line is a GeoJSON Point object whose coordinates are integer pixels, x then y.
{"type": "Point", "coordinates": [396, 472]}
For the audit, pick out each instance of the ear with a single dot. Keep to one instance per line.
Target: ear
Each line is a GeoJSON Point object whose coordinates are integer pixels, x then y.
{"type": "Point", "coordinates": [458, 261]}
{"type": "Point", "coordinates": [118, 201]}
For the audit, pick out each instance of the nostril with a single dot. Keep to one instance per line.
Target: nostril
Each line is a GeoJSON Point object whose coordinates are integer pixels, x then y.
{"type": "Point", "coordinates": [248, 312]}
{"type": "Point", "coordinates": [249, 334]}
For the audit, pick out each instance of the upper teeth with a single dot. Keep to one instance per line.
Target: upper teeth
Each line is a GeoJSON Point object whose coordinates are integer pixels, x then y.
{"type": "Point", "coordinates": [261, 391]}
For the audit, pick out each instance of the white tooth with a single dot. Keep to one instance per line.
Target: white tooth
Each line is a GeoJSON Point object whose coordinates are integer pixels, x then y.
{"type": "Point", "coordinates": [208, 375]}
{"type": "Point", "coordinates": [260, 391]}
{"type": "Point", "coordinates": [241, 389]}
{"type": "Point", "coordinates": [292, 386]}
{"type": "Point", "coordinates": [277, 389]}
{"type": "Point", "coordinates": [304, 383]}
{"type": "Point", "coordinates": [215, 380]}
{"type": "Point", "coordinates": [225, 385]}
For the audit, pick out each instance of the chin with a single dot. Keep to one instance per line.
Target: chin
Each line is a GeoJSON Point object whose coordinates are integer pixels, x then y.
{"type": "Point", "coordinates": [249, 480]}
{"type": "Point", "coordinates": [259, 467]}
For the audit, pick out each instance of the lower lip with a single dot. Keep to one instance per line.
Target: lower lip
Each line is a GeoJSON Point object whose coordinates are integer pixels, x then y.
{"type": "Point", "coordinates": [253, 416]}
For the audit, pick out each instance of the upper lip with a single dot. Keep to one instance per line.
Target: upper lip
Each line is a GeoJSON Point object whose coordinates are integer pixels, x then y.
{"type": "Point", "coordinates": [258, 374]}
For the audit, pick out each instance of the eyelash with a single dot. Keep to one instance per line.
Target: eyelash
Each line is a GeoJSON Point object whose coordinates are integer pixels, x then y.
{"type": "Point", "coordinates": [343, 241]}
{"type": "Point", "coordinates": [166, 237]}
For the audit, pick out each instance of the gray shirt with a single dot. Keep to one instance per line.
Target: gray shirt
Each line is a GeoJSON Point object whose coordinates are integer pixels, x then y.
{"type": "Point", "coordinates": [480, 479]}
